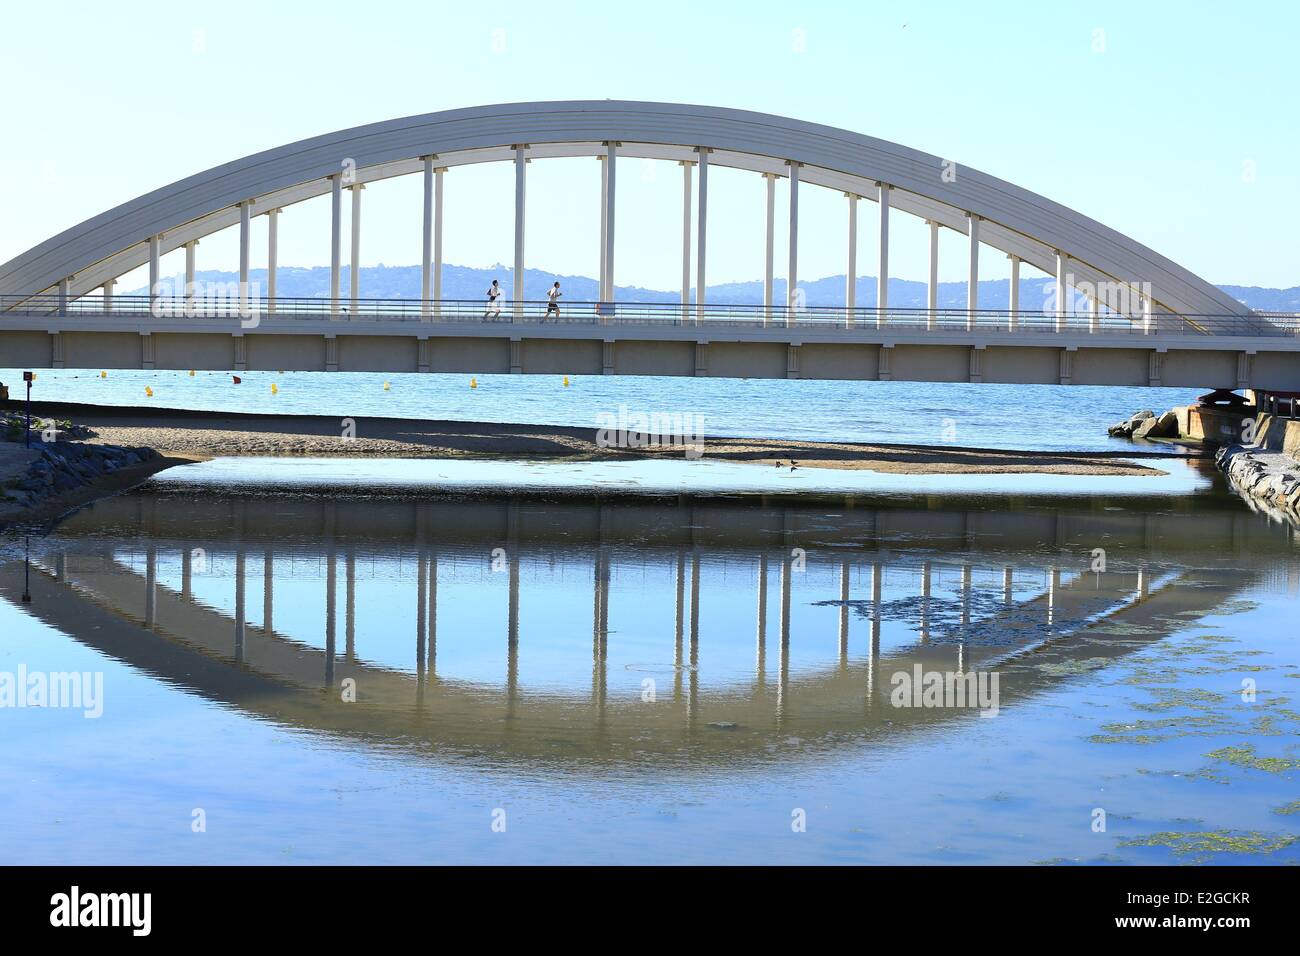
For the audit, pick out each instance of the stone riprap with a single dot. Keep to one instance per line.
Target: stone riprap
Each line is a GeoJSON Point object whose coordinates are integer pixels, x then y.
{"type": "Point", "coordinates": [1269, 476]}
{"type": "Point", "coordinates": [33, 478]}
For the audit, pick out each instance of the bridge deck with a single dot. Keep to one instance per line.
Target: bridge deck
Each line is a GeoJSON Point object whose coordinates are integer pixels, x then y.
{"type": "Point", "coordinates": [647, 338]}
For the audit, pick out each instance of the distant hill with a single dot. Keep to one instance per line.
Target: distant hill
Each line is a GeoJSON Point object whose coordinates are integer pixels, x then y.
{"type": "Point", "coordinates": [462, 282]}
{"type": "Point", "coordinates": [1266, 300]}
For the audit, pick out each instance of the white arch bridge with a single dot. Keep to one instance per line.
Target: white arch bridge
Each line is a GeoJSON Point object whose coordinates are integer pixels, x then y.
{"type": "Point", "coordinates": [1147, 321]}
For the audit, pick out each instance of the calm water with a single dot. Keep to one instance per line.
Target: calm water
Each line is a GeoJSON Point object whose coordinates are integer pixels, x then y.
{"type": "Point", "coordinates": [644, 678]}
{"type": "Point", "coordinates": [1045, 417]}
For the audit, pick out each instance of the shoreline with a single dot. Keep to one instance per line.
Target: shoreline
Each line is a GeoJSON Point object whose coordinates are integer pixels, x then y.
{"type": "Point", "coordinates": [169, 437]}
{"type": "Point", "coordinates": [186, 435]}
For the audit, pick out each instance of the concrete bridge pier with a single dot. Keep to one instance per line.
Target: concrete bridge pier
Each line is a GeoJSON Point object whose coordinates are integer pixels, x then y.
{"type": "Point", "coordinates": [760, 661]}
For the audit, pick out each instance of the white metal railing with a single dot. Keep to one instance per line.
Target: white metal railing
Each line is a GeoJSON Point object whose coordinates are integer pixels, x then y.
{"type": "Point", "coordinates": [462, 311]}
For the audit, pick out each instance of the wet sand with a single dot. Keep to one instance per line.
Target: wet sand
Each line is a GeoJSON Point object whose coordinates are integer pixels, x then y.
{"type": "Point", "coordinates": [182, 434]}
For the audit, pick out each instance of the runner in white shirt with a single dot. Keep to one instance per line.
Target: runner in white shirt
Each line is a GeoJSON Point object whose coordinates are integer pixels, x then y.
{"type": "Point", "coordinates": [553, 304]}
{"type": "Point", "coordinates": [494, 294]}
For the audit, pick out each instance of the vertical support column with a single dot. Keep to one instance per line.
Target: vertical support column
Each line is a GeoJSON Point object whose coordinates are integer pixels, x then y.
{"type": "Point", "coordinates": [187, 573]}
{"type": "Point", "coordinates": [437, 240]}
{"type": "Point", "coordinates": [336, 241]}
{"type": "Point", "coordinates": [1148, 324]}
{"type": "Point", "coordinates": [191, 286]}
{"type": "Point", "coordinates": [421, 608]}
{"type": "Point", "coordinates": [783, 662]}
{"type": "Point", "coordinates": [701, 234]}
{"type": "Point", "coordinates": [760, 663]}
{"type": "Point", "coordinates": [350, 606]}
{"type": "Point", "coordinates": [851, 266]}
{"type": "Point", "coordinates": [769, 247]}
{"type": "Point", "coordinates": [354, 267]}
{"type": "Point", "coordinates": [241, 612]}
{"type": "Point", "coordinates": [681, 617]}
{"type": "Point", "coordinates": [155, 267]}
{"type": "Point", "coordinates": [607, 230]}
{"type": "Point", "coordinates": [883, 371]}
{"type": "Point", "coordinates": [1013, 297]}
{"type": "Point", "coordinates": [693, 691]}
{"type": "Point", "coordinates": [925, 602]}
{"type": "Point", "coordinates": [331, 613]}
{"type": "Point", "coordinates": [426, 259]}
{"type": "Point", "coordinates": [873, 652]}
{"type": "Point", "coordinates": [1061, 305]}
{"type": "Point", "coordinates": [1243, 369]}
{"type": "Point", "coordinates": [1154, 361]}
{"type": "Point", "coordinates": [150, 587]}
{"type": "Point", "coordinates": [844, 613]}
{"type": "Point", "coordinates": [932, 286]}
{"type": "Point", "coordinates": [268, 592]}
{"type": "Point", "coordinates": [433, 615]}
{"type": "Point", "coordinates": [882, 281]}
{"type": "Point", "coordinates": [973, 273]}
{"type": "Point", "coordinates": [245, 253]}
{"type": "Point", "coordinates": [1094, 315]}
{"type": "Point", "coordinates": [512, 630]}
{"type": "Point", "coordinates": [108, 294]}
{"type": "Point", "coordinates": [1053, 585]}
{"type": "Point", "coordinates": [63, 296]}
{"type": "Point", "coordinates": [965, 595]}
{"type": "Point", "coordinates": [686, 165]}
{"type": "Point", "coordinates": [521, 166]}
{"type": "Point", "coordinates": [792, 281]}
{"type": "Point", "coordinates": [604, 226]}
{"type": "Point", "coordinates": [272, 257]}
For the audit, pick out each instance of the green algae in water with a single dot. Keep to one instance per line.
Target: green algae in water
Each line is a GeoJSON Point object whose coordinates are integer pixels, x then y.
{"type": "Point", "coordinates": [1246, 757]}
{"type": "Point", "coordinates": [1135, 739]}
{"type": "Point", "coordinates": [1192, 720]}
{"type": "Point", "coordinates": [1205, 773]}
{"type": "Point", "coordinates": [1192, 698]}
{"type": "Point", "coordinates": [1288, 809]}
{"type": "Point", "coordinates": [1206, 843]}
{"type": "Point", "coordinates": [1071, 668]}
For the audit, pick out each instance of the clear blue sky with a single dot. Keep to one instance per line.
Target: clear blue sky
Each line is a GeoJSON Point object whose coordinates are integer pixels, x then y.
{"type": "Point", "coordinates": [1181, 131]}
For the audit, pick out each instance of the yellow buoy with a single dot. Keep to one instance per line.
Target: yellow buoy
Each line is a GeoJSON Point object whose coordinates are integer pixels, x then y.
{"type": "Point", "coordinates": [566, 381]}
{"type": "Point", "coordinates": [385, 386]}
{"type": "Point", "coordinates": [103, 375]}
{"type": "Point", "coordinates": [191, 373]}
{"type": "Point", "coordinates": [473, 383]}
{"type": "Point", "coordinates": [275, 389]}
{"type": "Point", "coordinates": [148, 391]}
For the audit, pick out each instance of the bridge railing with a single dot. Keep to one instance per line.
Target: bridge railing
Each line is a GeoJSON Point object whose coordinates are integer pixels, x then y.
{"type": "Point", "coordinates": [671, 314]}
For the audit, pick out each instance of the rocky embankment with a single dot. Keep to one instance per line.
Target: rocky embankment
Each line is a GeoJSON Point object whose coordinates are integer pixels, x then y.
{"type": "Point", "coordinates": [61, 471]}
{"type": "Point", "coordinates": [1264, 470]}
{"type": "Point", "coordinates": [1258, 451]}
{"type": "Point", "coordinates": [1271, 477]}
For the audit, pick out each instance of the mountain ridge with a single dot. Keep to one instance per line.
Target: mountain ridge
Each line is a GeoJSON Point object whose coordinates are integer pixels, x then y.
{"type": "Point", "coordinates": [470, 283]}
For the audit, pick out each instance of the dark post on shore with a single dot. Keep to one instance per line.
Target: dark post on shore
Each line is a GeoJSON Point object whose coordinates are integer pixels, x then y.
{"type": "Point", "coordinates": [27, 377]}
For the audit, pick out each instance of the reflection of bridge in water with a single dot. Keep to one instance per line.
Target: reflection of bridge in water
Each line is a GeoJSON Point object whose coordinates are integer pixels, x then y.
{"type": "Point", "coordinates": [1165, 568]}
